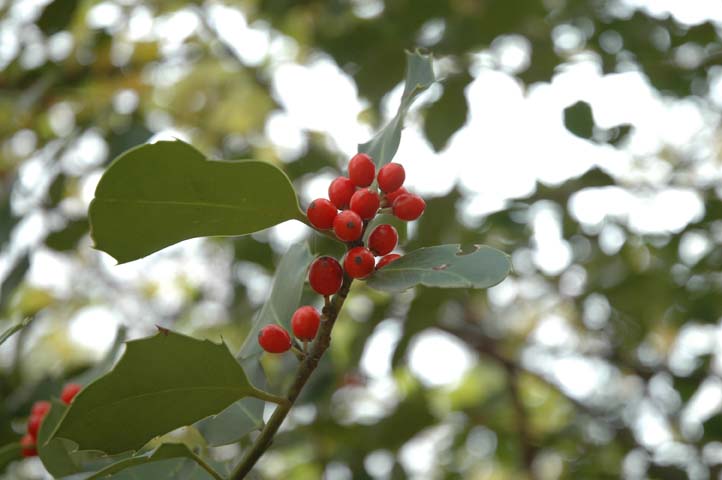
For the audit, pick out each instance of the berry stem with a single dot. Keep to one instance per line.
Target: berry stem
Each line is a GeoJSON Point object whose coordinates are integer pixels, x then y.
{"type": "Point", "coordinates": [269, 397]}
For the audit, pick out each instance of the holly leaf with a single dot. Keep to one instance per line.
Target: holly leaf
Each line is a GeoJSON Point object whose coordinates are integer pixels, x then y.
{"type": "Point", "coordinates": [155, 195]}
{"type": "Point", "coordinates": [160, 383]}
{"type": "Point", "coordinates": [444, 266]}
{"type": "Point", "coordinates": [419, 76]}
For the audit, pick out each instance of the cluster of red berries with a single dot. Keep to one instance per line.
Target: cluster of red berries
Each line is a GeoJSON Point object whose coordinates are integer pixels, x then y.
{"type": "Point", "coordinates": [359, 204]}
{"type": "Point", "coordinates": [40, 409]}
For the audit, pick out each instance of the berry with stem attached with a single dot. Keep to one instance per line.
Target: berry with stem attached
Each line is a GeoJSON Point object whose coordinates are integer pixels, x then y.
{"type": "Point", "coordinates": [359, 262]}
{"type": "Point", "coordinates": [361, 170]}
{"type": "Point", "coordinates": [325, 276]}
{"type": "Point", "coordinates": [348, 226]}
{"type": "Point", "coordinates": [305, 322]}
{"type": "Point", "coordinates": [391, 177]}
{"type": "Point", "coordinates": [274, 339]}
{"type": "Point", "coordinates": [340, 191]}
{"type": "Point", "coordinates": [385, 260]}
{"type": "Point", "coordinates": [383, 239]}
{"type": "Point", "coordinates": [408, 206]}
{"type": "Point", "coordinates": [70, 390]}
{"type": "Point", "coordinates": [321, 213]}
{"type": "Point", "coordinates": [366, 203]}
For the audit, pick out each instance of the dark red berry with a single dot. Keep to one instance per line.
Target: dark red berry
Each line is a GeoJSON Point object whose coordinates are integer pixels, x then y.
{"type": "Point", "coordinates": [383, 239]}
{"type": "Point", "coordinates": [69, 392]}
{"type": "Point", "coordinates": [321, 213]}
{"type": "Point", "coordinates": [383, 261]}
{"type": "Point", "coordinates": [365, 203]}
{"type": "Point", "coordinates": [340, 191]}
{"type": "Point", "coordinates": [34, 425]}
{"type": "Point", "coordinates": [325, 275]}
{"type": "Point", "coordinates": [348, 226]}
{"type": "Point", "coordinates": [391, 177]}
{"type": "Point", "coordinates": [361, 170]}
{"type": "Point", "coordinates": [305, 322]}
{"type": "Point", "coordinates": [274, 339]}
{"type": "Point", "coordinates": [408, 206]}
{"type": "Point", "coordinates": [359, 262]}
{"type": "Point", "coordinates": [40, 408]}
{"type": "Point", "coordinates": [28, 446]}
{"type": "Point", "coordinates": [390, 197]}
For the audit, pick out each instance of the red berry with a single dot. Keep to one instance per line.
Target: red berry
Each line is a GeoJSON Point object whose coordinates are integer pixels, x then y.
{"type": "Point", "coordinates": [305, 322]}
{"type": "Point", "coordinates": [348, 226]}
{"type": "Point", "coordinates": [383, 239]}
{"type": "Point", "coordinates": [274, 339]}
{"type": "Point", "coordinates": [391, 177]}
{"type": "Point", "coordinates": [340, 191]}
{"type": "Point", "coordinates": [325, 275]}
{"type": "Point", "coordinates": [361, 170]}
{"type": "Point", "coordinates": [40, 408]}
{"type": "Point", "coordinates": [365, 203]}
{"type": "Point", "coordinates": [390, 197]}
{"type": "Point", "coordinates": [321, 213]}
{"type": "Point", "coordinates": [359, 262]}
{"type": "Point", "coordinates": [34, 425]}
{"type": "Point", "coordinates": [28, 446]}
{"type": "Point", "coordinates": [408, 206]}
{"type": "Point", "coordinates": [383, 261]}
{"type": "Point", "coordinates": [69, 392]}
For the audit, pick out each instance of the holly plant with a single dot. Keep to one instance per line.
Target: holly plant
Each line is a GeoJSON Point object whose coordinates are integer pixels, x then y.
{"type": "Point", "coordinates": [156, 195]}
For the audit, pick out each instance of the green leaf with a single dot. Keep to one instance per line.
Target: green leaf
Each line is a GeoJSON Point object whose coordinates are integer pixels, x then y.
{"type": "Point", "coordinates": [68, 237]}
{"type": "Point", "coordinates": [14, 329]}
{"type": "Point", "coordinates": [9, 453]}
{"type": "Point", "coordinates": [578, 120]}
{"type": "Point", "coordinates": [444, 266]}
{"type": "Point", "coordinates": [159, 384]}
{"type": "Point", "coordinates": [13, 280]}
{"type": "Point", "coordinates": [419, 76]}
{"type": "Point", "coordinates": [57, 16]}
{"type": "Point", "coordinates": [246, 415]}
{"type": "Point", "coordinates": [159, 194]}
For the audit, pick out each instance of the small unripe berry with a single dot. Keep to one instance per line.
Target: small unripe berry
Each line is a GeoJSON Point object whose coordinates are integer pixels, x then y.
{"type": "Point", "coordinates": [40, 408]}
{"type": "Point", "coordinates": [359, 262]}
{"type": "Point", "coordinates": [383, 239]}
{"type": "Point", "coordinates": [365, 203]}
{"type": "Point", "coordinates": [34, 425]}
{"type": "Point", "coordinates": [274, 339]}
{"type": "Point", "coordinates": [340, 191]}
{"type": "Point", "coordinates": [391, 177]}
{"type": "Point", "coordinates": [348, 226]}
{"type": "Point", "coordinates": [390, 197]}
{"type": "Point", "coordinates": [325, 276]}
{"type": "Point", "coordinates": [408, 206]}
{"type": "Point", "coordinates": [305, 322]}
{"type": "Point", "coordinates": [321, 213]}
{"type": "Point", "coordinates": [383, 261]}
{"type": "Point", "coordinates": [28, 446]}
{"type": "Point", "coordinates": [361, 170]}
{"type": "Point", "coordinates": [69, 392]}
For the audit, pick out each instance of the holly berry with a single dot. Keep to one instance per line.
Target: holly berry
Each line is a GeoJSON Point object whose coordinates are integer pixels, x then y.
{"type": "Point", "coordinates": [390, 197]}
{"type": "Point", "coordinates": [348, 226]}
{"type": "Point", "coordinates": [28, 446]}
{"type": "Point", "coordinates": [321, 213]}
{"type": "Point", "coordinates": [383, 239]}
{"type": "Point", "coordinates": [391, 177]}
{"type": "Point", "coordinates": [359, 262]}
{"type": "Point", "coordinates": [34, 425]}
{"type": "Point", "coordinates": [340, 191]}
{"type": "Point", "coordinates": [70, 390]}
{"type": "Point", "coordinates": [40, 408]}
{"type": "Point", "coordinates": [408, 206]}
{"type": "Point", "coordinates": [305, 322]}
{"type": "Point", "coordinates": [383, 261]}
{"type": "Point", "coordinates": [366, 203]}
{"type": "Point", "coordinates": [274, 339]}
{"type": "Point", "coordinates": [325, 275]}
{"type": "Point", "coordinates": [361, 170]}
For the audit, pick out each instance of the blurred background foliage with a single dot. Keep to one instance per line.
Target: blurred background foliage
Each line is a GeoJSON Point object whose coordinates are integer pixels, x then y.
{"type": "Point", "coordinates": [598, 358]}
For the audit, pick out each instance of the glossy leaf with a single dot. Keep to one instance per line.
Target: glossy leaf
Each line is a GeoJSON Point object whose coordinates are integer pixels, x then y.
{"type": "Point", "coordinates": [444, 266]}
{"type": "Point", "coordinates": [14, 329]}
{"type": "Point", "coordinates": [419, 76]}
{"type": "Point", "coordinates": [159, 384]}
{"type": "Point", "coordinates": [159, 194]}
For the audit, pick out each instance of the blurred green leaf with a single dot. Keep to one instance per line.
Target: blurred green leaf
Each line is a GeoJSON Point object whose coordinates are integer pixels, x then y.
{"type": "Point", "coordinates": [9, 453]}
{"type": "Point", "coordinates": [578, 120]}
{"type": "Point", "coordinates": [159, 194]}
{"type": "Point", "coordinates": [14, 329]}
{"type": "Point", "coordinates": [57, 15]}
{"type": "Point", "coordinates": [13, 280]}
{"type": "Point", "coordinates": [443, 266]}
{"type": "Point", "coordinates": [448, 114]}
{"type": "Point", "coordinates": [67, 238]}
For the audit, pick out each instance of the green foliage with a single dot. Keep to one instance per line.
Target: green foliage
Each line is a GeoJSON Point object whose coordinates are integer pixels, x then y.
{"type": "Point", "coordinates": [156, 195]}
{"type": "Point", "coordinates": [9, 332]}
{"type": "Point", "coordinates": [9, 453]}
{"type": "Point", "coordinates": [140, 463]}
{"type": "Point", "coordinates": [578, 120]}
{"type": "Point", "coordinates": [444, 266]}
